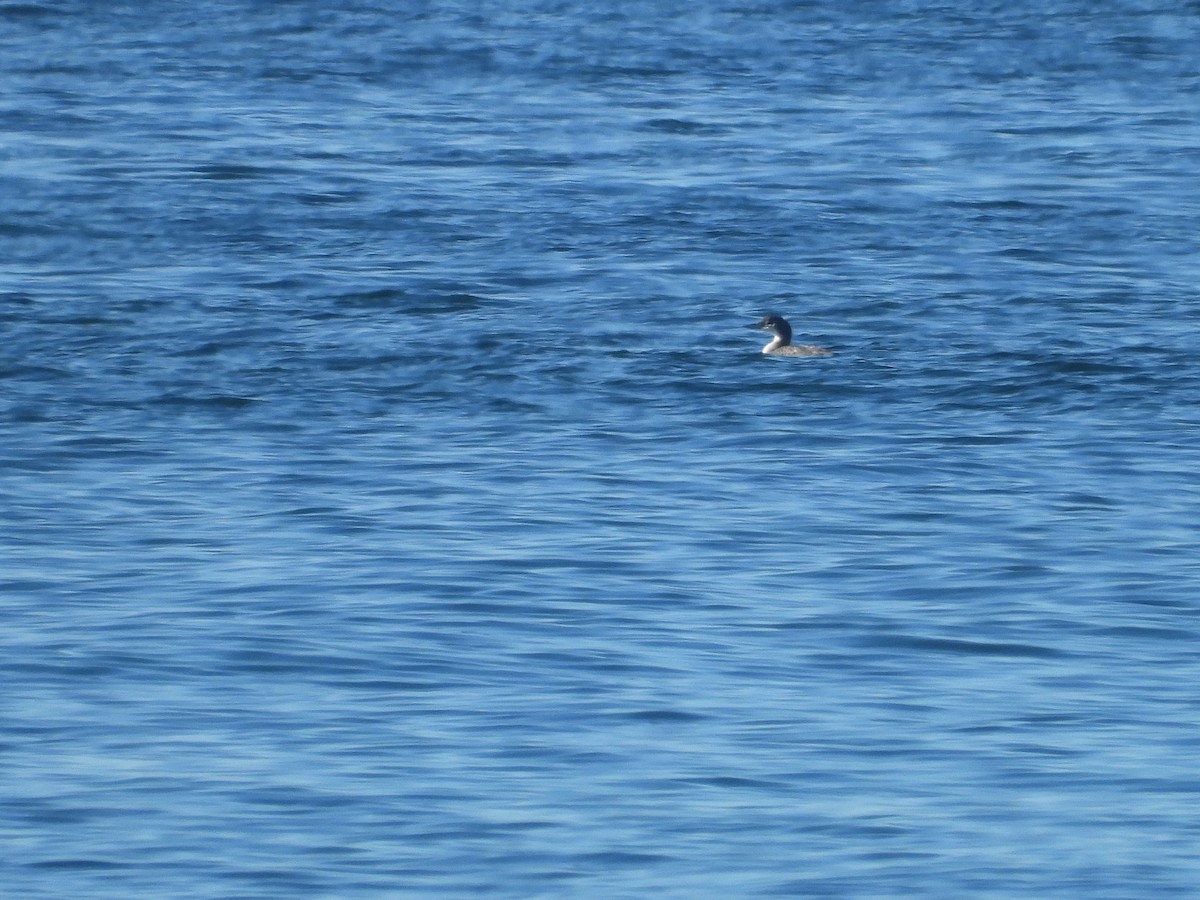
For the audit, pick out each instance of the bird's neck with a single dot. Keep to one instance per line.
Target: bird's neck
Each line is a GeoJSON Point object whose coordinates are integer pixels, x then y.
{"type": "Point", "coordinates": [775, 344]}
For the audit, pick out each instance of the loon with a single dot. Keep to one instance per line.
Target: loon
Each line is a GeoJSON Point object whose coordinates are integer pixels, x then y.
{"type": "Point", "coordinates": [781, 344]}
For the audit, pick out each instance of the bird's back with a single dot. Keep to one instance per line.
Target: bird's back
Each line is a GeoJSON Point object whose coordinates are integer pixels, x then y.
{"type": "Point", "coordinates": [799, 350]}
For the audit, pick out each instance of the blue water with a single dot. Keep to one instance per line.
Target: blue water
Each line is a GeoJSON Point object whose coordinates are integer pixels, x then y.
{"type": "Point", "coordinates": [395, 502]}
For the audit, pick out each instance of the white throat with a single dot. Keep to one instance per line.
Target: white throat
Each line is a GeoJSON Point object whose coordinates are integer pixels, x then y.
{"type": "Point", "coordinates": [775, 344]}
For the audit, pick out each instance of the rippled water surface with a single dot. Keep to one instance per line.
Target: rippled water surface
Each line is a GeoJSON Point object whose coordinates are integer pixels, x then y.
{"type": "Point", "coordinates": [395, 502]}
